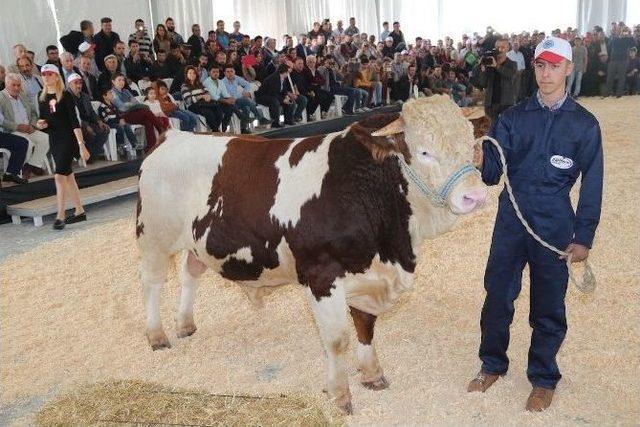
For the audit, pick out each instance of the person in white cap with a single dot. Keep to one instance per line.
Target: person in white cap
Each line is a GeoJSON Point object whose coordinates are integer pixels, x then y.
{"type": "Point", "coordinates": [549, 141]}
{"type": "Point", "coordinates": [87, 50]}
{"type": "Point", "coordinates": [59, 117]}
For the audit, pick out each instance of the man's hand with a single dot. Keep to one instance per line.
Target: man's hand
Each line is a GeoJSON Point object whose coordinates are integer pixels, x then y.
{"type": "Point", "coordinates": [578, 252]}
{"type": "Point", "coordinates": [246, 94]}
{"type": "Point", "coordinates": [25, 128]}
{"type": "Point", "coordinates": [477, 155]}
{"type": "Point", "coordinates": [122, 122]}
{"type": "Point", "coordinates": [103, 126]}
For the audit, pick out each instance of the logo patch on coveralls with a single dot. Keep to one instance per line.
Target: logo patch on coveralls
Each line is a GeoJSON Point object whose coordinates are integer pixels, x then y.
{"type": "Point", "coordinates": [561, 162]}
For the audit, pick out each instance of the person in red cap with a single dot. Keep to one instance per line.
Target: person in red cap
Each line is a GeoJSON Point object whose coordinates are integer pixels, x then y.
{"type": "Point", "coordinates": [549, 141]}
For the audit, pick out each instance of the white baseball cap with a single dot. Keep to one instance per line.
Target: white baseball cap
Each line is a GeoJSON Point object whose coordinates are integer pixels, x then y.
{"type": "Point", "coordinates": [85, 46]}
{"type": "Point", "coordinates": [50, 68]}
{"type": "Point", "coordinates": [73, 77]}
{"type": "Point", "coordinates": [553, 49]}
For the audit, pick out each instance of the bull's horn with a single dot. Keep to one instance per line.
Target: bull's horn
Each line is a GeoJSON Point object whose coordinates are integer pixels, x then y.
{"type": "Point", "coordinates": [472, 113]}
{"type": "Point", "coordinates": [396, 126]}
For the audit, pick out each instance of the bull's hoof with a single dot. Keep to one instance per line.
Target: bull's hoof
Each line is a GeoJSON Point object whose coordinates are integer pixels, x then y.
{"type": "Point", "coordinates": [158, 340]}
{"type": "Point", "coordinates": [379, 384]}
{"type": "Point", "coordinates": [186, 330]}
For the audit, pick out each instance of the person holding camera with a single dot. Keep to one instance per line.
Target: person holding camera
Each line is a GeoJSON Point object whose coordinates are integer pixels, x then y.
{"type": "Point", "coordinates": [496, 74]}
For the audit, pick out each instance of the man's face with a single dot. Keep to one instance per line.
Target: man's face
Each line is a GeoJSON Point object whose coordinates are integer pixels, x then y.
{"type": "Point", "coordinates": [352, 22]}
{"type": "Point", "coordinates": [246, 41]}
{"type": "Point", "coordinates": [118, 49]}
{"type": "Point", "coordinates": [67, 62]}
{"type": "Point", "coordinates": [502, 47]}
{"type": "Point", "coordinates": [437, 71]}
{"type": "Point", "coordinates": [396, 27]}
{"type": "Point", "coordinates": [516, 46]}
{"type": "Point", "coordinates": [111, 64]}
{"type": "Point", "coordinates": [220, 26]}
{"type": "Point", "coordinates": [139, 25]}
{"type": "Point", "coordinates": [14, 87]}
{"type": "Point", "coordinates": [230, 73]}
{"type": "Point", "coordinates": [551, 76]}
{"type": "Point", "coordinates": [214, 73]}
{"type": "Point", "coordinates": [106, 27]}
{"type": "Point", "coordinates": [85, 64]}
{"type": "Point", "coordinates": [298, 65]}
{"type": "Point", "coordinates": [76, 86]}
{"type": "Point", "coordinates": [632, 54]}
{"type": "Point", "coordinates": [236, 27]}
{"type": "Point", "coordinates": [162, 56]}
{"type": "Point", "coordinates": [171, 26]}
{"type": "Point", "coordinates": [196, 30]}
{"type": "Point", "coordinates": [25, 66]}
{"type": "Point", "coordinates": [221, 58]}
{"type": "Point", "coordinates": [53, 55]}
{"type": "Point", "coordinates": [389, 43]}
{"type": "Point", "coordinates": [134, 49]}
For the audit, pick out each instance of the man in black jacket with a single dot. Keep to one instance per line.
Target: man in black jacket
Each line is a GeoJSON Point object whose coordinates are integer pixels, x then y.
{"type": "Point", "coordinates": [90, 82]}
{"type": "Point", "coordinates": [196, 41]}
{"type": "Point", "coordinates": [105, 40]}
{"type": "Point", "coordinates": [71, 41]}
{"type": "Point", "coordinates": [498, 78]}
{"type": "Point", "coordinates": [275, 92]}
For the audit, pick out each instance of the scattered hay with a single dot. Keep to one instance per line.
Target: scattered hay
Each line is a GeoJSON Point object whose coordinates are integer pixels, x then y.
{"type": "Point", "coordinates": [137, 402]}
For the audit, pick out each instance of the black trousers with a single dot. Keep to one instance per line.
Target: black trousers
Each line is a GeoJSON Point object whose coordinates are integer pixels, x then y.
{"type": "Point", "coordinates": [94, 138]}
{"type": "Point", "coordinates": [322, 98]}
{"type": "Point", "coordinates": [274, 105]}
{"type": "Point", "coordinates": [17, 146]}
{"type": "Point", "coordinates": [211, 112]}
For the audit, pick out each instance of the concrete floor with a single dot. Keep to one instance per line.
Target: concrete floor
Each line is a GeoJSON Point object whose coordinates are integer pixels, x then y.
{"type": "Point", "coordinates": [16, 239]}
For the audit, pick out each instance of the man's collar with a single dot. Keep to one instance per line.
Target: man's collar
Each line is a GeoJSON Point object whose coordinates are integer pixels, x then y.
{"type": "Point", "coordinates": [11, 96]}
{"type": "Point", "coordinates": [566, 103]}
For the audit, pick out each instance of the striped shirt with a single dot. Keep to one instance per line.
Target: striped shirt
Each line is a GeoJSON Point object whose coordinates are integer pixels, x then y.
{"type": "Point", "coordinates": [144, 41]}
{"type": "Point", "coordinates": [108, 114]}
{"type": "Point", "coordinates": [191, 96]}
{"type": "Point", "coordinates": [553, 107]}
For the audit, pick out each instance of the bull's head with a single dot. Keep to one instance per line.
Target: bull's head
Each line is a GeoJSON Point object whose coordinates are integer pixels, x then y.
{"type": "Point", "coordinates": [438, 149]}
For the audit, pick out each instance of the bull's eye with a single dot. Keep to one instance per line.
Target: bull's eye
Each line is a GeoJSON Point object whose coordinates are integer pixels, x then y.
{"type": "Point", "coordinates": [427, 157]}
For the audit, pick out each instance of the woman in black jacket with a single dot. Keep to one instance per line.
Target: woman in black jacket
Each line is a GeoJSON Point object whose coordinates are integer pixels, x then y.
{"type": "Point", "coordinates": [59, 118]}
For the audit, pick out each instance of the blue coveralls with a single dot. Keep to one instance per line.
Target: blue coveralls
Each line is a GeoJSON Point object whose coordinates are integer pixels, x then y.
{"type": "Point", "coordinates": [546, 150]}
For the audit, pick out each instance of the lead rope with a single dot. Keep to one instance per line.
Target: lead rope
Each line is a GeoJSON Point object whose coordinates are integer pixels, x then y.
{"type": "Point", "coordinates": [588, 283]}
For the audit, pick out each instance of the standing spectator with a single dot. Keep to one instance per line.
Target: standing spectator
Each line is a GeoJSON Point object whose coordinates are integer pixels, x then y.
{"type": "Point", "coordinates": [94, 131]}
{"type": "Point", "coordinates": [580, 58]}
{"type": "Point", "coordinates": [196, 41]}
{"type": "Point", "coordinates": [516, 56]}
{"type": "Point", "coordinates": [20, 117]}
{"type": "Point", "coordinates": [352, 30]}
{"type": "Point", "coordinates": [236, 34]}
{"type": "Point", "coordinates": [275, 93]}
{"type": "Point", "coordinates": [388, 51]}
{"type": "Point", "coordinates": [398, 38]}
{"type": "Point", "coordinates": [71, 41]}
{"type": "Point", "coordinates": [188, 120]}
{"type": "Point", "coordinates": [198, 100]}
{"type": "Point", "coordinates": [221, 97]}
{"type": "Point", "coordinates": [618, 58]}
{"type": "Point", "coordinates": [600, 70]}
{"type": "Point", "coordinates": [59, 117]}
{"type": "Point", "coordinates": [498, 80]}
{"type": "Point", "coordinates": [221, 35]}
{"type": "Point", "coordinates": [135, 112]}
{"type": "Point", "coordinates": [109, 114]}
{"type": "Point", "coordinates": [171, 31]}
{"type": "Point", "coordinates": [633, 68]}
{"type": "Point", "coordinates": [385, 31]}
{"type": "Point", "coordinates": [142, 37]}
{"type": "Point", "coordinates": [339, 31]}
{"type": "Point", "coordinates": [162, 40]}
{"type": "Point", "coordinates": [105, 40]}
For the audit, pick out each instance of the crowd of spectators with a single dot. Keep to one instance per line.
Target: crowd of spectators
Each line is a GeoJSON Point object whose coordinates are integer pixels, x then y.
{"type": "Point", "coordinates": [210, 77]}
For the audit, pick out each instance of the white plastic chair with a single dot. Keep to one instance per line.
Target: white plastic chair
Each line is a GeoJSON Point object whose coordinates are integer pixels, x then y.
{"type": "Point", "coordinates": [168, 82]}
{"type": "Point", "coordinates": [134, 86]}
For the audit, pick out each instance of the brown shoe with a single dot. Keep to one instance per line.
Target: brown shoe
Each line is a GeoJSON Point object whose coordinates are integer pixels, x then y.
{"type": "Point", "coordinates": [539, 399]}
{"type": "Point", "coordinates": [37, 171]}
{"type": "Point", "coordinates": [482, 382]}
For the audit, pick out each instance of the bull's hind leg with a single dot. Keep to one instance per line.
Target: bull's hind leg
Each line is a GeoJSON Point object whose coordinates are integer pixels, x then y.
{"type": "Point", "coordinates": [191, 269]}
{"type": "Point", "coordinates": [372, 377]}
{"type": "Point", "coordinates": [331, 317]}
{"type": "Point", "coordinates": [154, 274]}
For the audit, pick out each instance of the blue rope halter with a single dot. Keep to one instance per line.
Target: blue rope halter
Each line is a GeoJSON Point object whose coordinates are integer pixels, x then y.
{"type": "Point", "coordinates": [438, 196]}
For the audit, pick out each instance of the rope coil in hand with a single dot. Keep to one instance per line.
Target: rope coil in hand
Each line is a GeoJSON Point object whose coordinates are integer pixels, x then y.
{"type": "Point", "coordinates": [588, 283]}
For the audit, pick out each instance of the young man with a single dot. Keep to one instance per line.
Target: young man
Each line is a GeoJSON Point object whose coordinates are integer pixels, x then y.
{"type": "Point", "coordinates": [548, 141]}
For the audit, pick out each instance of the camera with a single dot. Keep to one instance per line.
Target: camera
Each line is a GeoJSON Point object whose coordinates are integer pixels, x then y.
{"type": "Point", "coordinates": [486, 57]}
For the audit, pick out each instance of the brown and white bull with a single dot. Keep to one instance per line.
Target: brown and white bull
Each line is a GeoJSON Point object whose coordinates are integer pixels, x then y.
{"type": "Point", "coordinates": [343, 214]}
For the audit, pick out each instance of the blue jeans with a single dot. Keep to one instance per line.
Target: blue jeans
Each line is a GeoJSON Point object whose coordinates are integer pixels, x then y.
{"type": "Point", "coordinates": [188, 120]}
{"type": "Point", "coordinates": [121, 130]}
{"type": "Point", "coordinates": [352, 97]}
{"type": "Point", "coordinates": [575, 77]}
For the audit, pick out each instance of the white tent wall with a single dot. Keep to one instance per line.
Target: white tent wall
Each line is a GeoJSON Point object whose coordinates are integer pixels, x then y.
{"type": "Point", "coordinates": [33, 22]}
{"type": "Point", "coordinates": [601, 12]}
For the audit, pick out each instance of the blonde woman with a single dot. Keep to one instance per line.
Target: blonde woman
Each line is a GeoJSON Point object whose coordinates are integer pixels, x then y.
{"type": "Point", "coordinates": [59, 119]}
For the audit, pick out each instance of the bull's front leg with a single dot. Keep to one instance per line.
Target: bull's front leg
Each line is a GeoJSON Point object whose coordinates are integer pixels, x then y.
{"type": "Point", "coordinates": [331, 317]}
{"type": "Point", "coordinates": [372, 376]}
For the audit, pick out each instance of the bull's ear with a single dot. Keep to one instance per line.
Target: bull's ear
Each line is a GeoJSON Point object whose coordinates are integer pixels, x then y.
{"type": "Point", "coordinates": [379, 146]}
{"type": "Point", "coordinates": [396, 126]}
{"type": "Point", "coordinates": [472, 113]}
